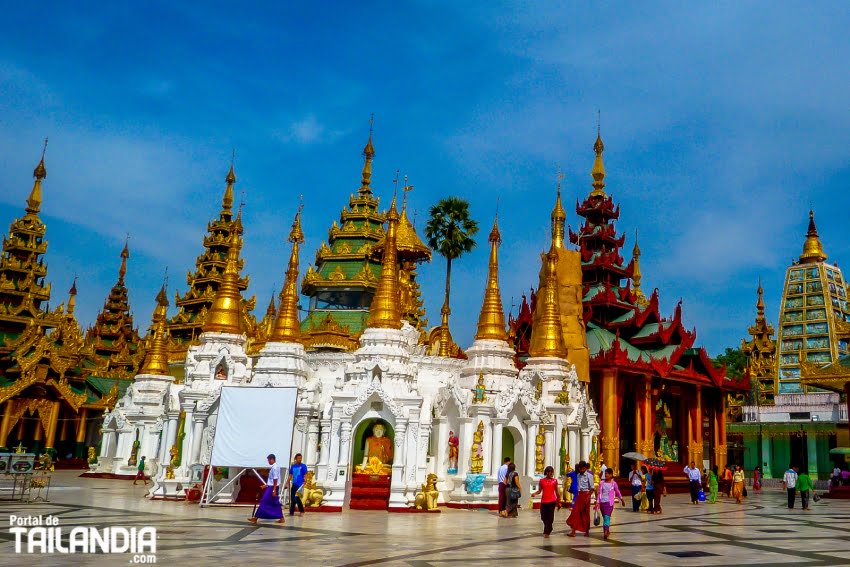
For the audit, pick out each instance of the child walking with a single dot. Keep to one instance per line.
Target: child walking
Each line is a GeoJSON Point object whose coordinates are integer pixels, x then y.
{"type": "Point", "coordinates": [607, 496]}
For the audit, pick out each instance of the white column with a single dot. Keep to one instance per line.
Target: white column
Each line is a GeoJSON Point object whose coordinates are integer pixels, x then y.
{"type": "Point", "coordinates": [441, 450]}
{"type": "Point", "coordinates": [345, 444]}
{"type": "Point", "coordinates": [422, 449]}
{"type": "Point", "coordinates": [326, 442]}
{"type": "Point", "coordinates": [530, 435]}
{"type": "Point", "coordinates": [312, 443]}
{"type": "Point", "coordinates": [197, 435]}
{"type": "Point", "coordinates": [106, 446]}
{"type": "Point", "coordinates": [464, 446]}
{"type": "Point", "coordinates": [573, 447]}
{"type": "Point", "coordinates": [549, 455]}
{"type": "Point", "coordinates": [399, 456]}
{"type": "Point", "coordinates": [333, 453]}
{"type": "Point", "coordinates": [586, 443]}
{"type": "Point", "coordinates": [498, 424]}
{"type": "Point", "coordinates": [170, 438]}
{"type": "Point", "coordinates": [188, 427]}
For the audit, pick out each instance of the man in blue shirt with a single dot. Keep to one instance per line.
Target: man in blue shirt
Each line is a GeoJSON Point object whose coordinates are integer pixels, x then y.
{"type": "Point", "coordinates": [294, 482]}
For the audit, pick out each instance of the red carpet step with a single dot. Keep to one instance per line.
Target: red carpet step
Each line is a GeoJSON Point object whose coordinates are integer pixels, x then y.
{"type": "Point", "coordinates": [370, 492]}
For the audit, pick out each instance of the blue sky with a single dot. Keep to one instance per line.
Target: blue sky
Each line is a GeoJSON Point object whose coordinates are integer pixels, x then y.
{"type": "Point", "coordinates": [722, 125]}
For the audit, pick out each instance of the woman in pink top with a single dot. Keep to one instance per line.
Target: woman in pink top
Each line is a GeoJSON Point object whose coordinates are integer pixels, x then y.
{"type": "Point", "coordinates": [606, 497]}
{"type": "Point", "coordinates": [549, 488]}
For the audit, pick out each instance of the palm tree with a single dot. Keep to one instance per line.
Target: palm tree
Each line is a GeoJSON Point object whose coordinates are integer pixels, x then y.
{"type": "Point", "coordinates": [450, 233]}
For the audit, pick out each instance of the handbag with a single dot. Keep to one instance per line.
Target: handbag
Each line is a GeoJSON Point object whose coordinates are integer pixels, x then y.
{"type": "Point", "coordinates": [596, 518]}
{"type": "Point", "coordinates": [816, 497]}
{"type": "Point", "coordinates": [745, 492]}
{"type": "Point", "coordinates": [701, 496]}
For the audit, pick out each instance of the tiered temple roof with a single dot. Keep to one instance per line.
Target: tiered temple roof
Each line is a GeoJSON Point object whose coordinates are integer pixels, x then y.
{"type": "Point", "coordinates": [116, 343]}
{"type": "Point", "coordinates": [192, 307]}
{"type": "Point", "coordinates": [761, 352]}
{"type": "Point", "coordinates": [24, 290]}
{"type": "Point", "coordinates": [348, 267]}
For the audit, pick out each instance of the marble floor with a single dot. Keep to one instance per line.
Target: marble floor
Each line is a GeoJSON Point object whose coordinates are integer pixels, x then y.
{"type": "Point", "coordinates": [760, 532]}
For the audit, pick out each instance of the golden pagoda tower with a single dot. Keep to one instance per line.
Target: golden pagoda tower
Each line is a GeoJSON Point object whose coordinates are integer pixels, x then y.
{"type": "Point", "coordinates": [385, 312]}
{"type": "Point", "coordinates": [287, 327]}
{"type": "Point", "coordinates": [547, 339]}
{"type": "Point", "coordinates": [156, 358]}
{"type": "Point", "coordinates": [640, 297]}
{"type": "Point", "coordinates": [225, 314]}
{"type": "Point", "coordinates": [761, 353]}
{"type": "Point", "coordinates": [491, 320]}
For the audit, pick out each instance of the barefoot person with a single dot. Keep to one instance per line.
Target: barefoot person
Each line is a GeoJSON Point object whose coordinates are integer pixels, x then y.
{"type": "Point", "coordinates": [269, 507]}
{"type": "Point", "coordinates": [550, 500]}
{"type": "Point", "coordinates": [608, 495]}
{"type": "Point", "coordinates": [579, 519]}
{"type": "Point", "coordinates": [140, 475]}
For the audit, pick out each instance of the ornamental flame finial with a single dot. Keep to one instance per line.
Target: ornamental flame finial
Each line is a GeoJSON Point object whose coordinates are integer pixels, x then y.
{"type": "Point", "coordinates": [368, 154]}
{"type": "Point", "coordinates": [491, 321]}
{"type": "Point", "coordinates": [598, 171]}
{"type": "Point", "coordinates": [287, 326]}
{"type": "Point", "coordinates": [559, 216]}
{"type": "Point", "coordinates": [39, 173]}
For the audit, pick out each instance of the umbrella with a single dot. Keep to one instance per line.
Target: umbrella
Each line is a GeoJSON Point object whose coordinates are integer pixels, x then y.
{"type": "Point", "coordinates": [836, 451]}
{"type": "Point", "coordinates": [634, 456]}
{"type": "Point", "coordinates": [656, 464]}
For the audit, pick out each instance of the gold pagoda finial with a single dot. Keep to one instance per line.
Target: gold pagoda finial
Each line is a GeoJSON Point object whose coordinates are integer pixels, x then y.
{"type": "Point", "coordinates": [125, 253]}
{"type": "Point", "coordinates": [559, 216]}
{"type": "Point", "coordinates": [287, 326]}
{"type": "Point", "coordinates": [227, 200]}
{"type": "Point", "coordinates": [39, 173]}
{"type": "Point", "coordinates": [385, 311]}
{"type": "Point", "coordinates": [760, 303]}
{"type": "Point", "coordinates": [156, 357]}
{"type": "Point", "coordinates": [491, 321]}
{"type": "Point", "coordinates": [637, 275]}
{"type": "Point", "coordinates": [812, 249]}
{"type": "Point", "coordinates": [368, 154]}
{"type": "Point", "coordinates": [72, 297]}
{"type": "Point", "coordinates": [598, 171]}
{"type": "Point", "coordinates": [547, 338]}
{"type": "Point", "coordinates": [224, 315]}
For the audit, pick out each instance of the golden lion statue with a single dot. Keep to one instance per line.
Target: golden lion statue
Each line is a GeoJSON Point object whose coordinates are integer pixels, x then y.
{"type": "Point", "coordinates": [312, 496]}
{"type": "Point", "coordinates": [427, 498]}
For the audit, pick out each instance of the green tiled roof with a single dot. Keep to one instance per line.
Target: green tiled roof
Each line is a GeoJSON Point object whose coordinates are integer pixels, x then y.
{"type": "Point", "coordinates": [354, 319]}
{"type": "Point", "coordinates": [599, 339]}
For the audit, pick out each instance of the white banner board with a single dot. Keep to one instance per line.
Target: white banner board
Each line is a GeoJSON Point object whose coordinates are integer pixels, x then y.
{"type": "Point", "coordinates": [253, 422]}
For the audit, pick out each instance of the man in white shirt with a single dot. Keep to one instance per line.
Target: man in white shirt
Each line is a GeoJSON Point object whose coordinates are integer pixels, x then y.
{"type": "Point", "coordinates": [269, 508]}
{"type": "Point", "coordinates": [789, 481]}
{"type": "Point", "coordinates": [602, 468]}
{"type": "Point", "coordinates": [636, 483]}
{"type": "Point", "coordinates": [503, 473]}
{"type": "Point", "coordinates": [694, 481]}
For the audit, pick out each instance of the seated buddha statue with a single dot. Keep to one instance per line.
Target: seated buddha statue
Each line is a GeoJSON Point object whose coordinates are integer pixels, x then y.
{"type": "Point", "coordinates": [379, 449]}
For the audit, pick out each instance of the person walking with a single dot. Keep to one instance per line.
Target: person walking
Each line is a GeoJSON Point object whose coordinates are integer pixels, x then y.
{"type": "Point", "coordinates": [140, 474]}
{"type": "Point", "coordinates": [738, 484]}
{"type": "Point", "coordinates": [694, 481]}
{"type": "Point", "coordinates": [713, 484]}
{"type": "Point", "coordinates": [804, 487]}
{"type": "Point", "coordinates": [789, 481]}
{"type": "Point", "coordinates": [269, 507]}
{"type": "Point", "coordinates": [660, 490]}
{"type": "Point", "coordinates": [607, 496]}
{"type": "Point", "coordinates": [650, 491]}
{"type": "Point", "coordinates": [502, 474]}
{"type": "Point", "coordinates": [727, 481]}
{"type": "Point", "coordinates": [548, 487]}
{"type": "Point", "coordinates": [513, 492]}
{"type": "Point", "coordinates": [294, 482]}
{"type": "Point", "coordinates": [636, 484]}
{"type": "Point", "coordinates": [579, 519]}
{"type": "Point", "coordinates": [757, 479]}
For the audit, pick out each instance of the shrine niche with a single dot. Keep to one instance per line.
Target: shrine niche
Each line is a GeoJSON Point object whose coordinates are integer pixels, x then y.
{"type": "Point", "coordinates": [666, 440]}
{"type": "Point", "coordinates": [366, 431]}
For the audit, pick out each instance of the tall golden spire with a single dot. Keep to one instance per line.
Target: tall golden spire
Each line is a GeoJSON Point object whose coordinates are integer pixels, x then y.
{"type": "Point", "coordinates": [40, 172]}
{"type": "Point", "coordinates": [385, 311]}
{"type": "Point", "coordinates": [812, 249]}
{"type": "Point", "coordinates": [224, 315]}
{"type": "Point", "coordinates": [125, 253]}
{"type": "Point", "coordinates": [491, 321]}
{"type": "Point", "coordinates": [287, 326]}
{"type": "Point", "coordinates": [598, 171]}
{"type": "Point", "coordinates": [637, 275]}
{"type": "Point", "coordinates": [760, 304]}
{"type": "Point", "coordinates": [559, 217]}
{"type": "Point", "coordinates": [72, 297]}
{"type": "Point", "coordinates": [547, 338]}
{"type": "Point", "coordinates": [227, 200]}
{"type": "Point", "coordinates": [156, 358]}
{"type": "Point", "coordinates": [368, 154]}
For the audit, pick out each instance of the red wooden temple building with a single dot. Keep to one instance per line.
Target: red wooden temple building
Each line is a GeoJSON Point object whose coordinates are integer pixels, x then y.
{"type": "Point", "coordinates": [656, 392]}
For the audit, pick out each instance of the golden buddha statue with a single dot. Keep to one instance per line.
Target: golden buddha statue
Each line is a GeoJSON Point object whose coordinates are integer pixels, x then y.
{"type": "Point", "coordinates": [539, 442]}
{"type": "Point", "coordinates": [478, 449]}
{"type": "Point", "coordinates": [567, 495]}
{"type": "Point", "coordinates": [378, 452]}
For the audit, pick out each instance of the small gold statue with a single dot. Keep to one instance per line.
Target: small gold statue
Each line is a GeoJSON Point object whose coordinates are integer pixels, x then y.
{"type": "Point", "coordinates": [169, 472]}
{"type": "Point", "coordinates": [173, 454]}
{"type": "Point", "coordinates": [374, 466]}
{"type": "Point", "coordinates": [478, 449]}
{"type": "Point", "coordinates": [480, 397]}
{"type": "Point", "coordinates": [427, 498]}
{"type": "Point", "coordinates": [92, 458]}
{"type": "Point", "coordinates": [19, 449]}
{"type": "Point", "coordinates": [567, 495]}
{"type": "Point", "coordinates": [539, 442]}
{"type": "Point", "coordinates": [313, 495]}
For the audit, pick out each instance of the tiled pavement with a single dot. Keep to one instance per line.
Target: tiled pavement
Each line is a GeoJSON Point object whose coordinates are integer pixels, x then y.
{"type": "Point", "coordinates": [760, 532]}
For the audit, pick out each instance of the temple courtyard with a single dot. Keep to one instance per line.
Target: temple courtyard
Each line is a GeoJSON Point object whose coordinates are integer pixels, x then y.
{"type": "Point", "coordinates": [760, 532]}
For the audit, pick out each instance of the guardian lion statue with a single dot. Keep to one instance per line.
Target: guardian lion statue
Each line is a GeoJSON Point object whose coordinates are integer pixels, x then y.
{"type": "Point", "coordinates": [313, 496]}
{"type": "Point", "coordinates": [427, 498]}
